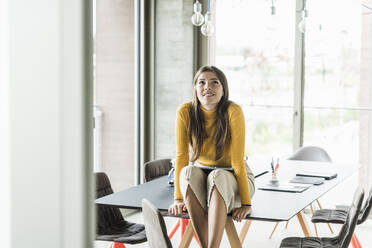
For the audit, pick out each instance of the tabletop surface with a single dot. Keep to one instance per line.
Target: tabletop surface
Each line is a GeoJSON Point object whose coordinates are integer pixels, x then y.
{"type": "Point", "coordinates": [266, 205]}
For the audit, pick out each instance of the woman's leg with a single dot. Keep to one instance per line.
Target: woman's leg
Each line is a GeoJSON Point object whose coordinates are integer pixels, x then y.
{"type": "Point", "coordinates": [199, 217]}
{"type": "Point", "coordinates": [193, 188]}
{"type": "Point", "coordinates": [217, 215]}
{"type": "Point", "coordinates": [222, 191]}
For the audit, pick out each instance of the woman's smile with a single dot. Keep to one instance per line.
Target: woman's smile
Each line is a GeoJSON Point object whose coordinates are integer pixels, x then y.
{"type": "Point", "coordinates": [209, 90]}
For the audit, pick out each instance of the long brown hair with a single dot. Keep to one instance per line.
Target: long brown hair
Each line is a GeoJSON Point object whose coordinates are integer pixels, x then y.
{"type": "Point", "coordinates": [196, 128]}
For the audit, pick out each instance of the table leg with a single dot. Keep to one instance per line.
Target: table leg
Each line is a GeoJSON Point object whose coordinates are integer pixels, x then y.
{"type": "Point", "coordinates": [187, 236]}
{"type": "Point", "coordinates": [312, 213]}
{"type": "Point", "coordinates": [232, 235]}
{"type": "Point", "coordinates": [244, 230]}
{"type": "Point", "coordinates": [304, 224]}
{"type": "Point", "coordinates": [329, 225]}
{"type": "Point", "coordinates": [272, 232]}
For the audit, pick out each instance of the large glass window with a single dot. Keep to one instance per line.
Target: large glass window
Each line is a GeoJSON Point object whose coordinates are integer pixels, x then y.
{"type": "Point", "coordinates": [332, 106]}
{"type": "Point", "coordinates": [256, 51]}
{"type": "Point", "coordinates": [173, 69]}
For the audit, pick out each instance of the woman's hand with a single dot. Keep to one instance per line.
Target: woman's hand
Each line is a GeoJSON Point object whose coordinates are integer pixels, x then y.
{"type": "Point", "coordinates": [240, 213]}
{"type": "Point", "coordinates": [177, 207]}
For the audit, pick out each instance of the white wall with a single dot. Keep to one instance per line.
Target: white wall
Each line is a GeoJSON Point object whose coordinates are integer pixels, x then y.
{"type": "Point", "coordinates": [4, 127]}
{"type": "Point", "coordinates": [50, 168]}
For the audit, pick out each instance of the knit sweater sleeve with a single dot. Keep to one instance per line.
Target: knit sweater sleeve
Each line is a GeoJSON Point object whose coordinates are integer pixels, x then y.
{"type": "Point", "coordinates": [237, 127]}
{"type": "Point", "coordinates": [182, 143]}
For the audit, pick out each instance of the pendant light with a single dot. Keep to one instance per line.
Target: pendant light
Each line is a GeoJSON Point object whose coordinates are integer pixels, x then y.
{"type": "Point", "coordinates": [197, 18]}
{"type": "Point", "coordinates": [208, 27]}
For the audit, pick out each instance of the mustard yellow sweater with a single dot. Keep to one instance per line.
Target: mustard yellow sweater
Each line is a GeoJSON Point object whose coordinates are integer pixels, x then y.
{"type": "Point", "coordinates": [233, 155]}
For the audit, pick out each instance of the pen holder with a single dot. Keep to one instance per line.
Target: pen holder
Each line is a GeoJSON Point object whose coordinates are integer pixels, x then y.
{"type": "Point", "coordinates": [274, 180]}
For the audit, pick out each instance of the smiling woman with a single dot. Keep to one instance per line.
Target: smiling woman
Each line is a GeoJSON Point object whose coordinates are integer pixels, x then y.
{"type": "Point", "coordinates": [214, 128]}
{"type": "Point", "coordinates": [209, 90]}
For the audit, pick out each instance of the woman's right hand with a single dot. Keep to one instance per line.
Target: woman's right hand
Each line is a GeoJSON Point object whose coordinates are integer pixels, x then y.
{"type": "Point", "coordinates": [177, 207]}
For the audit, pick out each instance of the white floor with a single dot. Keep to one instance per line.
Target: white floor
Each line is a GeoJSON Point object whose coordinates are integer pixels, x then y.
{"type": "Point", "coordinates": [258, 234]}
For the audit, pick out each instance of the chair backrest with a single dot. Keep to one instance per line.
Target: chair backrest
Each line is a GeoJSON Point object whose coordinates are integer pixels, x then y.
{"type": "Point", "coordinates": [156, 230]}
{"type": "Point", "coordinates": [156, 168]}
{"type": "Point", "coordinates": [311, 153]}
{"type": "Point", "coordinates": [348, 228]}
{"type": "Point", "coordinates": [366, 209]}
{"type": "Point", "coordinates": [107, 217]}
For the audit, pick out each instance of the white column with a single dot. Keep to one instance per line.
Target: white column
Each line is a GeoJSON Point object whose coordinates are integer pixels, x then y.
{"type": "Point", "coordinates": [4, 126]}
{"type": "Point", "coordinates": [50, 124]}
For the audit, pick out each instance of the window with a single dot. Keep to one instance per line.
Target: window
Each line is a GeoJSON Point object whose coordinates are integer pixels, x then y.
{"type": "Point", "coordinates": [332, 103]}
{"type": "Point", "coordinates": [256, 51]}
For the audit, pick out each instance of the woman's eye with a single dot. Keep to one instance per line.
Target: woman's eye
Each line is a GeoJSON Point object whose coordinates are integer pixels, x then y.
{"type": "Point", "coordinates": [216, 82]}
{"type": "Point", "coordinates": [201, 82]}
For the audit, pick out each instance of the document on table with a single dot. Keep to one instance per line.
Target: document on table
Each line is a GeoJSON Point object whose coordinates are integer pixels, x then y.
{"type": "Point", "coordinates": [293, 188]}
{"type": "Point", "coordinates": [307, 180]}
{"type": "Point", "coordinates": [325, 175]}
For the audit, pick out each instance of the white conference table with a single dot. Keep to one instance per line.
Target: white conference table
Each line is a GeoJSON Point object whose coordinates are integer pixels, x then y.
{"type": "Point", "coordinates": [266, 205]}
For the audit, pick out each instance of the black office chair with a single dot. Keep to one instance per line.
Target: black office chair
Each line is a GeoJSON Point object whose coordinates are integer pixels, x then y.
{"type": "Point", "coordinates": [156, 168]}
{"type": "Point", "coordinates": [111, 226]}
{"type": "Point", "coordinates": [340, 241]}
{"type": "Point", "coordinates": [156, 230]}
{"type": "Point", "coordinates": [338, 216]}
{"type": "Point", "coordinates": [310, 153]}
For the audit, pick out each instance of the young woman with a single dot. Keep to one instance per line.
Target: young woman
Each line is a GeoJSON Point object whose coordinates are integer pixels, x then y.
{"type": "Point", "coordinates": [214, 129]}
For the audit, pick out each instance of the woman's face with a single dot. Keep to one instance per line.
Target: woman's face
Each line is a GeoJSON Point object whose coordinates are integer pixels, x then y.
{"type": "Point", "coordinates": [209, 90]}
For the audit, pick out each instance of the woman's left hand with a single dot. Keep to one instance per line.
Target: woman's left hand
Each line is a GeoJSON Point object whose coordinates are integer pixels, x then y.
{"type": "Point", "coordinates": [240, 213]}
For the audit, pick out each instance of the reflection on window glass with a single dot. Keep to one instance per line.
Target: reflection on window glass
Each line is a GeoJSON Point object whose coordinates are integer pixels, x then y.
{"type": "Point", "coordinates": [332, 78]}
{"type": "Point", "coordinates": [256, 51]}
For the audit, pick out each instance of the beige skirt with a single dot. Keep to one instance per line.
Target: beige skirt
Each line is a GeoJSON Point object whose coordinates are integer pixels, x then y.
{"type": "Point", "coordinates": [225, 182]}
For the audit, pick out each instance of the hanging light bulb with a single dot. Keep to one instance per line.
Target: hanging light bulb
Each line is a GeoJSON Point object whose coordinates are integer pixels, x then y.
{"type": "Point", "coordinates": [273, 20]}
{"type": "Point", "coordinates": [273, 9]}
{"type": "Point", "coordinates": [208, 27]}
{"type": "Point", "coordinates": [302, 24]}
{"type": "Point", "coordinates": [197, 18]}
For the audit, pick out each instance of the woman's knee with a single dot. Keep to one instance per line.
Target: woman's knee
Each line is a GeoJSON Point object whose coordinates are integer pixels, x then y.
{"type": "Point", "coordinates": [193, 172]}
{"type": "Point", "coordinates": [219, 173]}
{"type": "Point", "coordinates": [221, 179]}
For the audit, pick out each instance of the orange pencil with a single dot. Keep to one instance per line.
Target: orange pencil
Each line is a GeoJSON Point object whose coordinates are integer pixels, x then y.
{"type": "Point", "coordinates": [276, 167]}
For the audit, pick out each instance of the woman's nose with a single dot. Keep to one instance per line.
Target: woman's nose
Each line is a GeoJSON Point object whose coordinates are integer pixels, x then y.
{"type": "Point", "coordinates": [207, 85]}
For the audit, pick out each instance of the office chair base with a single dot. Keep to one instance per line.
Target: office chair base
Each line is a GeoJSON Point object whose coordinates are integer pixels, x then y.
{"type": "Point", "coordinates": [355, 242]}
{"type": "Point", "coordinates": [116, 245]}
